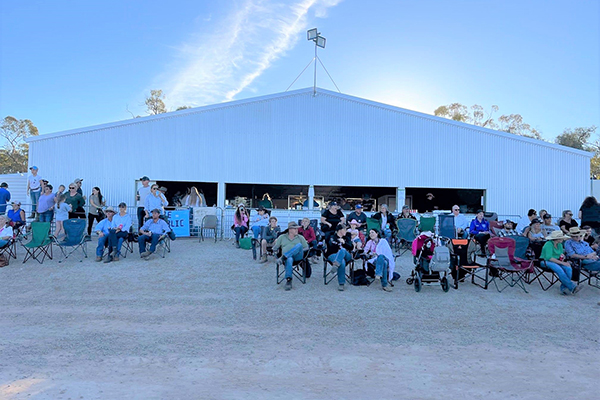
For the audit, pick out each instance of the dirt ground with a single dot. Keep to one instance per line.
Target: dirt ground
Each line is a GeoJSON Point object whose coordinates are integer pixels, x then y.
{"type": "Point", "coordinates": [208, 322]}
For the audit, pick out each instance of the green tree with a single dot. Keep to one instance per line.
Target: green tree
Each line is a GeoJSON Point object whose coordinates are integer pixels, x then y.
{"type": "Point", "coordinates": [14, 154]}
{"type": "Point", "coordinates": [154, 103]}
{"type": "Point", "coordinates": [580, 138]}
{"type": "Point", "coordinates": [182, 108]}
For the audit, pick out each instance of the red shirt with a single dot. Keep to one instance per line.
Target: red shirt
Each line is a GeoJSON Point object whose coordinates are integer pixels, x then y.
{"type": "Point", "coordinates": [309, 233]}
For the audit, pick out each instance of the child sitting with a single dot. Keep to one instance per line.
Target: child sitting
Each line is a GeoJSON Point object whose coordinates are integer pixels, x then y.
{"type": "Point", "coordinates": [355, 233]}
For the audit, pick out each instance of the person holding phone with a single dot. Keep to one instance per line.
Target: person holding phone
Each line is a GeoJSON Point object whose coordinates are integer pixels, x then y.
{"type": "Point", "coordinates": [122, 225]}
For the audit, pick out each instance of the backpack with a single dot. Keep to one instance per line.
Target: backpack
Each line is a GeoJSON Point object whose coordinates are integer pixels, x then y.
{"type": "Point", "coordinates": [440, 261]}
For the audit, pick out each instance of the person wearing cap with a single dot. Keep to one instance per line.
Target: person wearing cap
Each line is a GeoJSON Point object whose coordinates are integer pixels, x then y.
{"type": "Point", "coordinates": [577, 249]}
{"type": "Point", "coordinates": [405, 213]}
{"type": "Point", "coordinates": [78, 182]}
{"type": "Point", "coordinates": [292, 247]}
{"type": "Point", "coordinates": [508, 229]}
{"type": "Point", "coordinates": [480, 230]}
{"type": "Point", "coordinates": [141, 195]}
{"type": "Point", "coordinates": [430, 203]}
{"type": "Point", "coordinates": [151, 231]}
{"type": "Point", "coordinates": [46, 204]}
{"type": "Point", "coordinates": [526, 221]}
{"type": "Point", "coordinates": [388, 222]}
{"type": "Point", "coordinates": [119, 234]}
{"type": "Point", "coordinates": [330, 218]}
{"type": "Point", "coordinates": [103, 229]}
{"type": "Point", "coordinates": [553, 254]}
{"type": "Point", "coordinates": [548, 226]}
{"type": "Point", "coordinates": [155, 200]}
{"type": "Point", "coordinates": [34, 189]}
{"type": "Point", "coordinates": [461, 224]}
{"type": "Point", "coordinates": [269, 235]}
{"type": "Point", "coordinates": [359, 216]}
{"type": "Point", "coordinates": [4, 197]}
{"type": "Point", "coordinates": [338, 251]}
{"type": "Point", "coordinates": [259, 221]}
{"type": "Point", "coordinates": [16, 215]}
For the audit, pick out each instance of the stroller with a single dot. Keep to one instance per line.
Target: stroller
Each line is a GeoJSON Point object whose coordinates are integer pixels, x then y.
{"type": "Point", "coordinates": [431, 257]}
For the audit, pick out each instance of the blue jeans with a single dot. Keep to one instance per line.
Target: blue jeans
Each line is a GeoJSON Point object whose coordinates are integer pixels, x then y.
{"type": "Point", "coordinates": [142, 239]}
{"type": "Point", "coordinates": [381, 269]}
{"type": "Point", "coordinates": [102, 242]}
{"type": "Point", "coordinates": [341, 257]}
{"type": "Point", "coordinates": [564, 275]}
{"type": "Point", "coordinates": [3, 242]}
{"type": "Point", "coordinates": [591, 265]}
{"type": "Point", "coordinates": [239, 231]}
{"type": "Point", "coordinates": [35, 197]}
{"type": "Point", "coordinates": [256, 230]}
{"type": "Point", "coordinates": [116, 239]}
{"type": "Point", "coordinates": [46, 216]}
{"type": "Point", "coordinates": [295, 254]}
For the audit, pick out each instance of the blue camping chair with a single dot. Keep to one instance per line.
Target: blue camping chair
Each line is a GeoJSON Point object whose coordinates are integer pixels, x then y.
{"type": "Point", "coordinates": [75, 238]}
{"type": "Point", "coordinates": [446, 226]}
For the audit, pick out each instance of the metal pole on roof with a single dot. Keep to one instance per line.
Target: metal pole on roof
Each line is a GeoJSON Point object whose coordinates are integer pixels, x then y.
{"type": "Point", "coordinates": [315, 84]}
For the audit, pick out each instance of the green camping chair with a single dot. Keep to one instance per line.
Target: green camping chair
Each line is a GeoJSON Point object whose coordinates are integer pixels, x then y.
{"type": "Point", "coordinates": [427, 224]}
{"type": "Point", "coordinates": [40, 245]}
{"type": "Point", "coordinates": [373, 223]}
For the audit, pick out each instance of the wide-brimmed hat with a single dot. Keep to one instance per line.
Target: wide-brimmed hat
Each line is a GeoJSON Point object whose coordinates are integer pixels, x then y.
{"type": "Point", "coordinates": [555, 235]}
{"type": "Point", "coordinates": [354, 222]}
{"type": "Point", "coordinates": [110, 209]}
{"type": "Point", "coordinates": [574, 231]}
{"type": "Point", "coordinates": [293, 225]}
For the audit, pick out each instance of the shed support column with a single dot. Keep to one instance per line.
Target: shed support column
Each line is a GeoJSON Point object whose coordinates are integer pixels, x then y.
{"type": "Point", "coordinates": [311, 197]}
{"type": "Point", "coordinates": [400, 198]}
{"type": "Point", "coordinates": [221, 194]}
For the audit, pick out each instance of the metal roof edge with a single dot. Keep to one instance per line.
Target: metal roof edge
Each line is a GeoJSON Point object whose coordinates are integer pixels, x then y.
{"type": "Point", "coordinates": [455, 123]}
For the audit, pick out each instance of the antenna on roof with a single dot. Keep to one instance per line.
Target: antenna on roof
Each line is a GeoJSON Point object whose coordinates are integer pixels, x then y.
{"type": "Point", "coordinates": [315, 36]}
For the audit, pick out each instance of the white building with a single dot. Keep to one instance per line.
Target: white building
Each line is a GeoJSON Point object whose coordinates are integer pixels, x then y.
{"type": "Point", "coordinates": [339, 144]}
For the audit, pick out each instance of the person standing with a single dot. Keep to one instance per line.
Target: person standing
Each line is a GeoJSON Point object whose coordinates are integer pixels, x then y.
{"type": "Point", "coordinates": [155, 200]}
{"type": "Point", "coordinates": [76, 201]}
{"type": "Point", "coordinates": [34, 189]}
{"type": "Point", "coordinates": [46, 206]}
{"type": "Point", "coordinates": [4, 197]}
{"type": "Point", "coordinates": [95, 211]}
{"type": "Point", "coordinates": [142, 193]}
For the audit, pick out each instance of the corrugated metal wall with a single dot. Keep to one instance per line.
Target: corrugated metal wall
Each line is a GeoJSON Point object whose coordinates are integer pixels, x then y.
{"type": "Point", "coordinates": [331, 139]}
{"type": "Point", "coordinates": [17, 186]}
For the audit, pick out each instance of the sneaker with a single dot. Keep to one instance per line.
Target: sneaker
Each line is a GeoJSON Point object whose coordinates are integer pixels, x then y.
{"type": "Point", "coordinates": [341, 287]}
{"type": "Point", "coordinates": [237, 245]}
{"type": "Point", "coordinates": [145, 254]}
{"type": "Point", "coordinates": [107, 259]}
{"type": "Point", "coordinates": [116, 258]}
{"type": "Point", "coordinates": [263, 259]}
{"type": "Point", "coordinates": [386, 288]}
{"type": "Point", "coordinates": [577, 289]}
{"type": "Point", "coordinates": [288, 284]}
{"type": "Point", "coordinates": [565, 292]}
{"type": "Point", "coordinates": [98, 259]}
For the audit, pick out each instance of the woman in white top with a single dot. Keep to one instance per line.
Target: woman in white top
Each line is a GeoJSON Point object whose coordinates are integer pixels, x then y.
{"type": "Point", "coordinates": [379, 253]}
{"type": "Point", "coordinates": [194, 199]}
{"type": "Point", "coordinates": [6, 231]}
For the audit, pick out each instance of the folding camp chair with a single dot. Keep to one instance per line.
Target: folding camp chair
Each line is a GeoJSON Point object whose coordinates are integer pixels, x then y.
{"type": "Point", "coordinates": [584, 275]}
{"type": "Point", "coordinates": [74, 239]}
{"type": "Point", "coordinates": [10, 249]}
{"type": "Point", "coordinates": [256, 243]}
{"type": "Point", "coordinates": [164, 245]}
{"type": "Point", "coordinates": [128, 244]}
{"type": "Point", "coordinates": [373, 223]}
{"type": "Point", "coordinates": [446, 226]}
{"type": "Point", "coordinates": [461, 267]}
{"type": "Point", "coordinates": [407, 232]}
{"type": "Point", "coordinates": [427, 224]}
{"type": "Point", "coordinates": [299, 270]}
{"type": "Point", "coordinates": [328, 276]}
{"type": "Point", "coordinates": [504, 266]}
{"type": "Point", "coordinates": [40, 243]}
{"type": "Point", "coordinates": [208, 222]}
{"type": "Point", "coordinates": [496, 227]}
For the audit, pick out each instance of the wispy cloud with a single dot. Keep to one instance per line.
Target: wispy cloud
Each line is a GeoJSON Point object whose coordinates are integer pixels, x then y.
{"type": "Point", "coordinates": [217, 66]}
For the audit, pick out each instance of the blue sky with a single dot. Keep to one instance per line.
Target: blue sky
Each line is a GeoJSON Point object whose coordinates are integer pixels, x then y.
{"type": "Point", "coordinates": [68, 64]}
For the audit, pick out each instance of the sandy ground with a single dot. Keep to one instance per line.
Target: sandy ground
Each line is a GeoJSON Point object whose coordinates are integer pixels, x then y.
{"type": "Point", "coordinates": [208, 322]}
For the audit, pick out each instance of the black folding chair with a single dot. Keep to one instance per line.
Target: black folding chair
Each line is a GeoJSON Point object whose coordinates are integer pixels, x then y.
{"type": "Point", "coordinates": [299, 268]}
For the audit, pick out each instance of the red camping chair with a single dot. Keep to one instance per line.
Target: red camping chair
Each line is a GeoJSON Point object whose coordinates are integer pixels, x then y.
{"type": "Point", "coordinates": [495, 227]}
{"type": "Point", "coordinates": [504, 266]}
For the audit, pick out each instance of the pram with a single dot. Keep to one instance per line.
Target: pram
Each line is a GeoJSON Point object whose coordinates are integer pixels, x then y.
{"type": "Point", "coordinates": [431, 257]}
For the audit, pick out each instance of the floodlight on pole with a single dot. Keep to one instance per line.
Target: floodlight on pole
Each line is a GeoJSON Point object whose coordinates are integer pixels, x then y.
{"type": "Point", "coordinates": [315, 36]}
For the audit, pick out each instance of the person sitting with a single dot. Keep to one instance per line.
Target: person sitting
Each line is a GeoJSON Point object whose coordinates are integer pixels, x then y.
{"type": "Point", "coordinates": [589, 237]}
{"type": "Point", "coordinates": [460, 223]}
{"type": "Point", "coordinates": [16, 215]}
{"type": "Point", "coordinates": [526, 221]}
{"type": "Point", "coordinates": [6, 231]}
{"type": "Point", "coordinates": [379, 253]}
{"type": "Point", "coordinates": [330, 218]}
{"type": "Point", "coordinates": [359, 216]}
{"type": "Point", "coordinates": [508, 230]}
{"type": "Point", "coordinates": [553, 254]}
{"type": "Point", "coordinates": [240, 223]}
{"type": "Point", "coordinates": [577, 249]}
{"type": "Point", "coordinates": [269, 235]}
{"type": "Point", "coordinates": [355, 234]}
{"type": "Point", "coordinates": [156, 200]}
{"type": "Point", "coordinates": [589, 212]}
{"type": "Point", "coordinates": [292, 247]}
{"type": "Point", "coordinates": [152, 230]}
{"type": "Point", "coordinates": [534, 231]}
{"type": "Point", "coordinates": [122, 225]}
{"type": "Point", "coordinates": [548, 226]}
{"type": "Point", "coordinates": [567, 222]}
{"type": "Point", "coordinates": [388, 222]}
{"type": "Point", "coordinates": [338, 251]}
{"type": "Point", "coordinates": [405, 213]}
{"type": "Point", "coordinates": [480, 230]}
{"type": "Point", "coordinates": [104, 228]}
{"type": "Point", "coordinates": [259, 221]}
{"type": "Point", "coordinates": [541, 214]}
{"type": "Point", "coordinates": [309, 234]}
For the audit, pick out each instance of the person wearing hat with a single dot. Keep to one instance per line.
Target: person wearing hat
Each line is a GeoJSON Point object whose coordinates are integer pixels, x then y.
{"type": "Point", "coordinates": [292, 247]}
{"type": "Point", "coordinates": [259, 221]}
{"type": "Point", "coordinates": [4, 197]}
{"type": "Point", "coordinates": [119, 234]}
{"type": "Point", "coordinates": [534, 233]}
{"type": "Point", "coordinates": [357, 240]}
{"type": "Point", "coordinates": [78, 182]}
{"type": "Point", "coordinates": [151, 232]}
{"type": "Point", "coordinates": [508, 229]}
{"type": "Point", "coordinates": [359, 216]}
{"type": "Point", "coordinates": [553, 254]}
{"type": "Point", "coordinates": [140, 196]}
{"type": "Point", "coordinates": [34, 189]}
{"type": "Point", "coordinates": [103, 229]}
{"type": "Point", "coordinates": [338, 251]}
{"type": "Point", "coordinates": [578, 249]}
{"type": "Point", "coordinates": [548, 226]}
{"type": "Point", "coordinates": [76, 201]}
{"type": "Point", "coordinates": [430, 203]}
